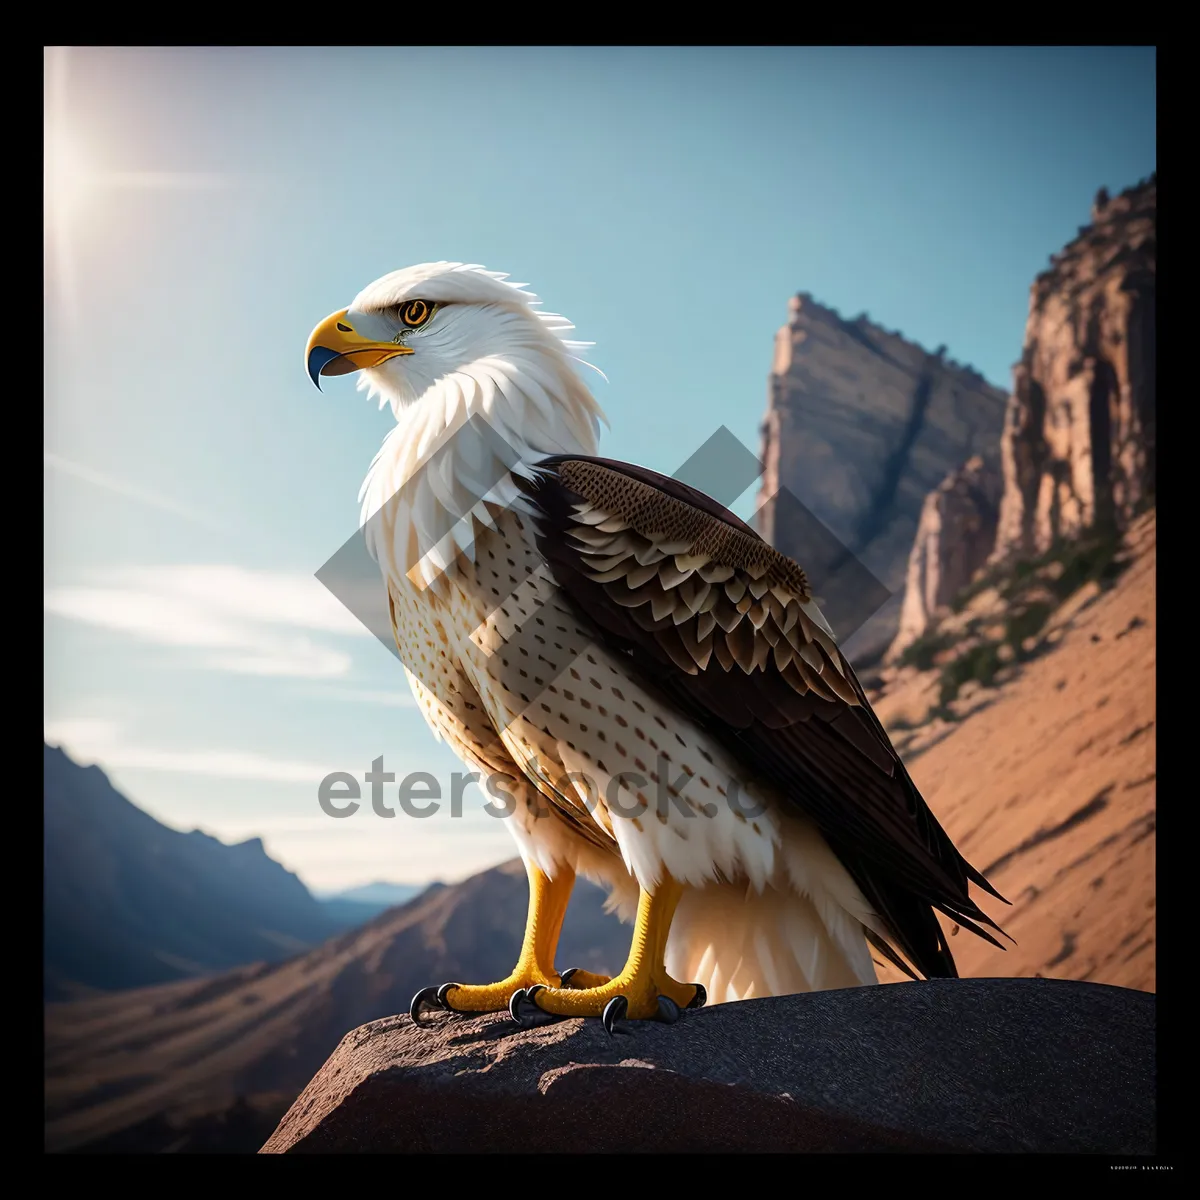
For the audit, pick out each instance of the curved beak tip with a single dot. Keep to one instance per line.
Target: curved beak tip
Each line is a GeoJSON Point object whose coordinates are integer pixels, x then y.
{"type": "Point", "coordinates": [317, 359]}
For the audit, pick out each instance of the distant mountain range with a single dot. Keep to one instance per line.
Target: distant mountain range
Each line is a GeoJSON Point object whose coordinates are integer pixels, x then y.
{"type": "Point", "coordinates": [354, 906]}
{"type": "Point", "coordinates": [130, 902]}
{"type": "Point", "coordinates": [382, 893]}
{"type": "Point", "coordinates": [212, 1064]}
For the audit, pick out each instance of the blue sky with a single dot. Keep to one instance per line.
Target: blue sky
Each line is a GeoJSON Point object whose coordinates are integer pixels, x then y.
{"type": "Point", "coordinates": [207, 207]}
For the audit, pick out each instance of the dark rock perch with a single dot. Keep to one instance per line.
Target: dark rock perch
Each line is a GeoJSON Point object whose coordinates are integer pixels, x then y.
{"type": "Point", "coordinates": [990, 1065]}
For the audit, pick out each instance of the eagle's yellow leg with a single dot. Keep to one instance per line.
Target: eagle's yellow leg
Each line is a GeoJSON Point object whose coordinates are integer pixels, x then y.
{"type": "Point", "coordinates": [547, 908]}
{"type": "Point", "coordinates": [644, 977]}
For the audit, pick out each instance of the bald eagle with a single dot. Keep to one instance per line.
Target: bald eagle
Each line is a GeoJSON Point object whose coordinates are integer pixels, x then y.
{"type": "Point", "coordinates": [647, 684]}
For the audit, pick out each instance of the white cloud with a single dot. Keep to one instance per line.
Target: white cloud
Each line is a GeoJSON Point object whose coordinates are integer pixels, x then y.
{"type": "Point", "coordinates": [94, 740]}
{"type": "Point", "coordinates": [273, 597]}
{"type": "Point", "coordinates": [80, 736]}
{"type": "Point", "coordinates": [243, 621]}
{"type": "Point", "coordinates": [131, 491]}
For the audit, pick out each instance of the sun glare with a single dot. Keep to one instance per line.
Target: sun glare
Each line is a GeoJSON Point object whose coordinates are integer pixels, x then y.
{"type": "Point", "coordinates": [74, 177]}
{"type": "Point", "coordinates": [67, 181]}
{"type": "Point", "coordinates": [68, 175]}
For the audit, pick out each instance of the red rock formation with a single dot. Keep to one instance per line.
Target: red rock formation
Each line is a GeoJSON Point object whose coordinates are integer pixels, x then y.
{"type": "Point", "coordinates": [1079, 439]}
{"type": "Point", "coordinates": [861, 425]}
{"type": "Point", "coordinates": [955, 535]}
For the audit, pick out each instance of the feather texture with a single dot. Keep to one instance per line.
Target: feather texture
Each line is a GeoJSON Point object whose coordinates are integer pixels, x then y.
{"type": "Point", "coordinates": [769, 679]}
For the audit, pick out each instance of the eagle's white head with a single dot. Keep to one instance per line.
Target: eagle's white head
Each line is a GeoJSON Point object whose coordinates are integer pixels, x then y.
{"type": "Point", "coordinates": [447, 342]}
{"type": "Point", "coordinates": [410, 332]}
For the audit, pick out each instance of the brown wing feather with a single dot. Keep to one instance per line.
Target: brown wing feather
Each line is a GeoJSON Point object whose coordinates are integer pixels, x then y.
{"type": "Point", "coordinates": [726, 626]}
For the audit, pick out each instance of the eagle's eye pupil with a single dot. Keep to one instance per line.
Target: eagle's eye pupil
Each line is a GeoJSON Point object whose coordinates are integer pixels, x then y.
{"type": "Point", "coordinates": [415, 313]}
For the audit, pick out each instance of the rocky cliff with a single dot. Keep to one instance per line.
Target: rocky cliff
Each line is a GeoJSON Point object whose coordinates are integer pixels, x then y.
{"type": "Point", "coordinates": [861, 425]}
{"type": "Point", "coordinates": [955, 536]}
{"type": "Point", "coordinates": [1077, 452]}
{"type": "Point", "coordinates": [1079, 435]}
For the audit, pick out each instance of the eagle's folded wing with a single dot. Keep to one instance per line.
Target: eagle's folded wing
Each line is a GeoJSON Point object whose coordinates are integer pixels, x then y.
{"type": "Point", "coordinates": [726, 626]}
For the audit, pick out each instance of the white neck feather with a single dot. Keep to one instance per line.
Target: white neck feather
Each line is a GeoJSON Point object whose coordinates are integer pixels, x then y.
{"type": "Point", "coordinates": [437, 460]}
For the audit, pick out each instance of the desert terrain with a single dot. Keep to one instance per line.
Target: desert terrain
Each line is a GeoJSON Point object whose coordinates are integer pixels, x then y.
{"type": "Point", "coordinates": [1047, 783]}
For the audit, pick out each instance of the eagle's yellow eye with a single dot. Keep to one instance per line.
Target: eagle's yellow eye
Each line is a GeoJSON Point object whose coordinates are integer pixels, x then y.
{"type": "Point", "coordinates": [414, 313]}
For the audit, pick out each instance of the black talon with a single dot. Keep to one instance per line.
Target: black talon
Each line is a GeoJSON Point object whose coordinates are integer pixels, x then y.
{"type": "Point", "coordinates": [524, 1009]}
{"type": "Point", "coordinates": [668, 1011]}
{"type": "Point", "coordinates": [614, 1011]}
{"type": "Point", "coordinates": [700, 999]}
{"type": "Point", "coordinates": [426, 997]}
{"type": "Point", "coordinates": [514, 1004]}
{"type": "Point", "coordinates": [566, 975]}
{"type": "Point", "coordinates": [441, 995]}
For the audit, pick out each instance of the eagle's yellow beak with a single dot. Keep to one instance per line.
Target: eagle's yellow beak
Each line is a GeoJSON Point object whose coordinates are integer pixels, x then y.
{"type": "Point", "coordinates": [335, 347]}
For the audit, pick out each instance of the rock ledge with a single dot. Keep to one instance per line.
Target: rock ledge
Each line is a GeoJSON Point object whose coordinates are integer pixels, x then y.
{"type": "Point", "coordinates": [988, 1065]}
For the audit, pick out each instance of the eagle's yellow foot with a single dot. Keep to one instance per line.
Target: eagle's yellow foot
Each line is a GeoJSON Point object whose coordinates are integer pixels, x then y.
{"type": "Point", "coordinates": [643, 990]}
{"type": "Point", "coordinates": [495, 997]}
{"type": "Point", "coordinates": [637, 996]}
{"type": "Point", "coordinates": [578, 978]}
{"type": "Point", "coordinates": [468, 998]}
{"type": "Point", "coordinates": [535, 965]}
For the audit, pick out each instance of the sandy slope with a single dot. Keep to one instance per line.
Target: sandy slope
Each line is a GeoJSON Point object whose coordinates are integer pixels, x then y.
{"type": "Point", "coordinates": [1049, 787]}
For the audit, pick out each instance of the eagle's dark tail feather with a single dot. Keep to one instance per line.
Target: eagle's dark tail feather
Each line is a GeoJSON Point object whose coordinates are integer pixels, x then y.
{"type": "Point", "coordinates": [912, 926]}
{"type": "Point", "coordinates": [886, 950]}
{"type": "Point", "coordinates": [979, 880]}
